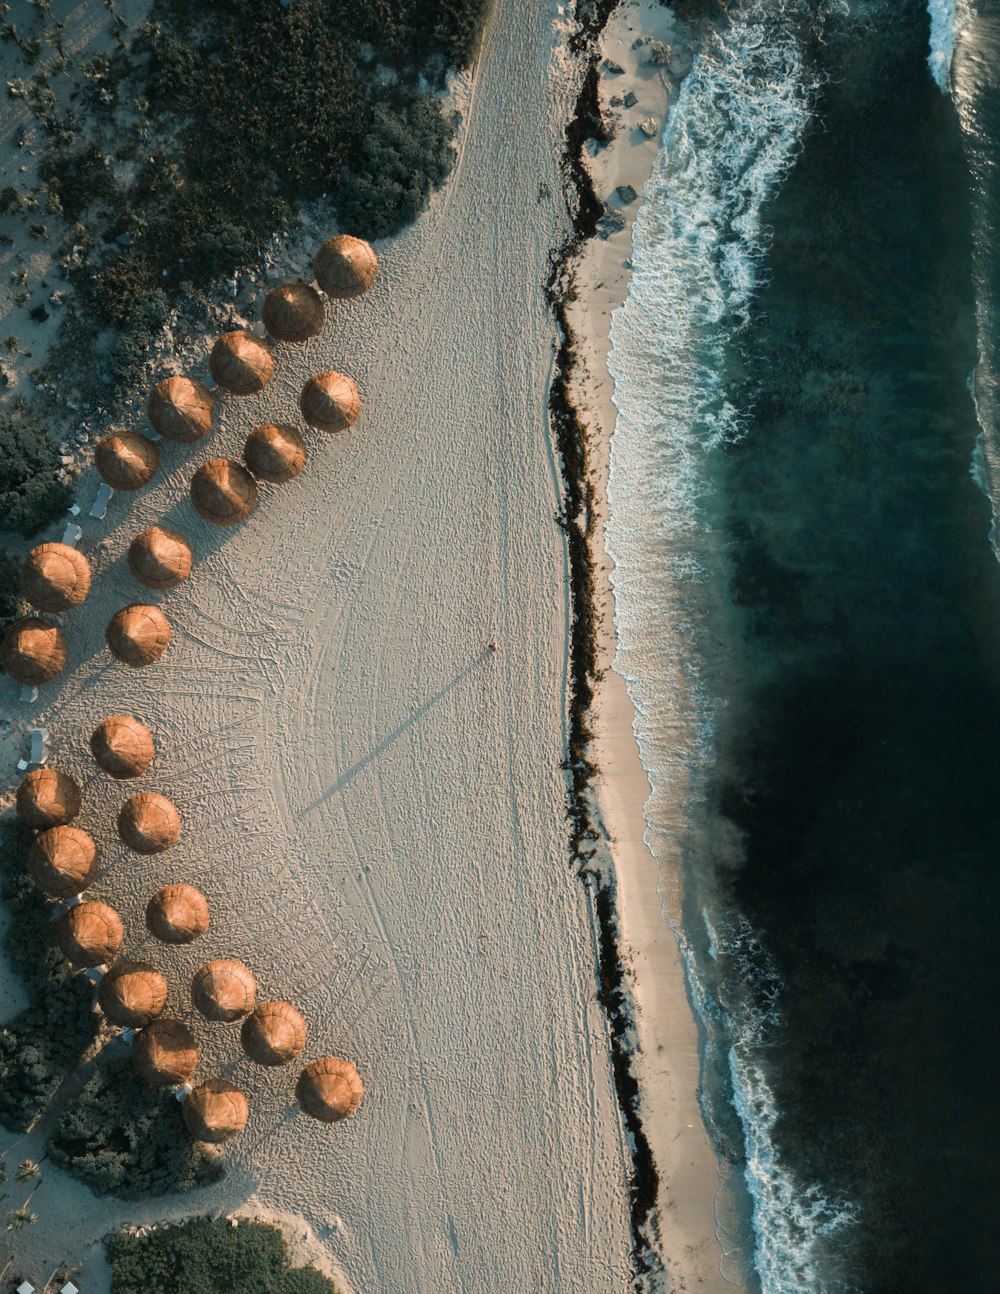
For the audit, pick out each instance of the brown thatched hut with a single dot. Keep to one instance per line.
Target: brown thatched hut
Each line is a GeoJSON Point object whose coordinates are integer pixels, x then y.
{"type": "Point", "coordinates": [34, 651]}
{"type": "Point", "coordinates": [55, 577]}
{"type": "Point", "coordinates": [149, 823]}
{"type": "Point", "coordinates": [329, 1089]}
{"type": "Point", "coordinates": [330, 402]}
{"type": "Point", "coordinates": [241, 363]}
{"type": "Point", "coordinates": [126, 460]}
{"type": "Point", "coordinates": [223, 990]}
{"type": "Point", "coordinates": [345, 266]}
{"type": "Point", "coordinates": [159, 558]}
{"type": "Point", "coordinates": [215, 1111]}
{"type": "Point", "coordinates": [223, 492]}
{"type": "Point", "coordinates": [293, 312]}
{"type": "Point", "coordinates": [47, 798]}
{"type": "Point", "coordinates": [275, 452]}
{"type": "Point", "coordinates": [177, 914]}
{"type": "Point", "coordinates": [123, 746]}
{"type": "Point", "coordinates": [90, 934]}
{"type": "Point", "coordinates": [138, 635]}
{"type": "Point", "coordinates": [164, 1053]}
{"type": "Point", "coordinates": [132, 993]}
{"type": "Point", "coordinates": [274, 1034]}
{"type": "Point", "coordinates": [62, 861]}
{"type": "Point", "coordinates": [180, 408]}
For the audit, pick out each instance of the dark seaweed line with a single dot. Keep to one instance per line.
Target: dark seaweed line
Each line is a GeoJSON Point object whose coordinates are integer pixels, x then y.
{"type": "Point", "coordinates": [577, 522]}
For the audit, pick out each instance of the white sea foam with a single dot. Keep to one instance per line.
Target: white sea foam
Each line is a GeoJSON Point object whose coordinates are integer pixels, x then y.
{"type": "Point", "coordinates": [944, 33]}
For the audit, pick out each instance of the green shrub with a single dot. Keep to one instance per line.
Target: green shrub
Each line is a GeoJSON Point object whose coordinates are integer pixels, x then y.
{"type": "Point", "coordinates": [12, 603]}
{"type": "Point", "coordinates": [30, 494]}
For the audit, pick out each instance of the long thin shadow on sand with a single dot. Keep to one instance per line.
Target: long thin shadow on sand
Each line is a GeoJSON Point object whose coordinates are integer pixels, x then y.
{"type": "Point", "coordinates": [349, 774]}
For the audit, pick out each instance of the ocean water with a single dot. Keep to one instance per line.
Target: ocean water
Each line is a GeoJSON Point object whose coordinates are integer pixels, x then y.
{"type": "Point", "coordinates": [808, 608]}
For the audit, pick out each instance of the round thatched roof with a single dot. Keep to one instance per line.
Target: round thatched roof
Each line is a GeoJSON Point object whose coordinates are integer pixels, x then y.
{"type": "Point", "coordinates": [177, 914]}
{"type": "Point", "coordinates": [329, 1089]}
{"type": "Point", "coordinates": [164, 1053]}
{"type": "Point", "coordinates": [138, 635]}
{"type": "Point", "coordinates": [215, 1111]}
{"type": "Point", "coordinates": [159, 558]}
{"type": "Point", "coordinates": [90, 934]}
{"type": "Point", "coordinates": [275, 452]}
{"type": "Point", "coordinates": [241, 363]}
{"type": "Point", "coordinates": [149, 823]}
{"type": "Point", "coordinates": [180, 408]}
{"type": "Point", "coordinates": [345, 266]}
{"type": "Point", "coordinates": [62, 861]}
{"type": "Point", "coordinates": [274, 1034]}
{"type": "Point", "coordinates": [132, 993]}
{"type": "Point", "coordinates": [126, 460]}
{"type": "Point", "coordinates": [47, 798]}
{"type": "Point", "coordinates": [223, 492]}
{"type": "Point", "coordinates": [294, 312]}
{"type": "Point", "coordinates": [330, 402]}
{"type": "Point", "coordinates": [34, 651]}
{"type": "Point", "coordinates": [55, 577]}
{"type": "Point", "coordinates": [223, 990]}
{"type": "Point", "coordinates": [123, 746]}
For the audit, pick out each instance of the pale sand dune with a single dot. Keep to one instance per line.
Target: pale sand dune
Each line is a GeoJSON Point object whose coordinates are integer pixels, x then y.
{"type": "Point", "coordinates": [373, 804]}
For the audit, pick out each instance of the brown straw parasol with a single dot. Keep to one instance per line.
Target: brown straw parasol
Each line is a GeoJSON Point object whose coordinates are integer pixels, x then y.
{"type": "Point", "coordinates": [274, 1034]}
{"type": "Point", "coordinates": [47, 798]}
{"type": "Point", "coordinates": [126, 460]}
{"type": "Point", "coordinates": [34, 651]}
{"type": "Point", "coordinates": [223, 990]}
{"type": "Point", "coordinates": [55, 577]}
{"type": "Point", "coordinates": [164, 1053]}
{"type": "Point", "coordinates": [90, 934]}
{"type": "Point", "coordinates": [138, 635]}
{"type": "Point", "coordinates": [329, 1089]}
{"type": "Point", "coordinates": [132, 993]}
{"type": "Point", "coordinates": [180, 408]}
{"type": "Point", "coordinates": [177, 914]}
{"type": "Point", "coordinates": [275, 452]}
{"type": "Point", "coordinates": [123, 746]}
{"type": "Point", "coordinates": [345, 266]}
{"type": "Point", "coordinates": [62, 861]}
{"type": "Point", "coordinates": [294, 312]}
{"type": "Point", "coordinates": [241, 363]}
{"type": "Point", "coordinates": [330, 402]}
{"type": "Point", "coordinates": [159, 558]}
{"type": "Point", "coordinates": [223, 492]}
{"type": "Point", "coordinates": [149, 823]}
{"type": "Point", "coordinates": [215, 1111]}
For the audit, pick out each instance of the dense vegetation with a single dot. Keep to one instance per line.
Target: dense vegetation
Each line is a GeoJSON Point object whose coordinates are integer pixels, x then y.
{"type": "Point", "coordinates": [11, 603]}
{"type": "Point", "coordinates": [209, 1257]}
{"type": "Point", "coordinates": [30, 493]}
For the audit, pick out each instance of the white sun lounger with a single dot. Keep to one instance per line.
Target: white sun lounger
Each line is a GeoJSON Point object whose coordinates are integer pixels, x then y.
{"type": "Point", "coordinates": [104, 496]}
{"type": "Point", "coordinates": [72, 534]}
{"type": "Point", "coordinates": [39, 753]}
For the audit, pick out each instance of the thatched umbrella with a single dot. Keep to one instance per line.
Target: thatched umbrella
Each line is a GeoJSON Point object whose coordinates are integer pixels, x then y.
{"type": "Point", "coordinates": [90, 934]}
{"type": "Point", "coordinates": [159, 558]}
{"type": "Point", "coordinates": [274, 1034]}
{"type": "Point", "coordinates": [47, 798]}
{"type": "Point", "coordinates": [138, 635]}
{"type": "Point", "coordinates": [329, 1089]}
{"type": "Point", "coordinates": [293, 312]}
{"type": "Point", "coordinates": [123, 746]}
{"type": "Point", "coordinates": [164, 1053]}
{"type": "Point", "coordinates": [126, 460]}
{"type": "Point", "coordinates": [241, 363]}
{"type": "Point", "coordinates": [180, 408]}
{"type": "Point", "coordinates": [330, 402]}
{"type": "Point", "coordinates": [149, 823]}
{"type": "Point", "coordinates": [177, 914]}
{"type": "Point", "coordinates": [34, 651]}
{"type": "Point", "coordinates": [275, 452]}
{"type": "Point", "coordinates": [215, 1110]}
{"type": "Point", "coordinates": [223, 990]}
{"type": "Point", "coordinates": [223, 492]}
{"type": "Point", "coordinates": [55, 577]}
{"type": "Point", "coordinates": [345, 266]}
{"type": "Point", "coordinates": [62, 861]}
{"type": "Point", "coordinates": [132, 993]}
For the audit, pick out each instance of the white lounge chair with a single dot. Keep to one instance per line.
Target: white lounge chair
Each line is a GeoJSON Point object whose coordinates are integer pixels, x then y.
{"type": "Point", "coordinates": [69, 1288]}
{"type": "Point", "coordinates": [72, 534]}
{"type": "Point", "coordinates": [74, 509]}
{"type": "Point", "coordinates": [104, 496]}
{"type": "Point", "coordinates": [29, 693]}
{"type": "Point", "coordinates": [26, 1287]}
{"type": "Point", "coordinates": [39, 752]}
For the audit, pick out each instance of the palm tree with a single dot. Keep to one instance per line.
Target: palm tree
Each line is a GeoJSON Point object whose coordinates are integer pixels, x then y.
{"type": "Point", "coordinates": [27, 1169]}
{"type": "Point", "coordinates": [18, 1219]}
